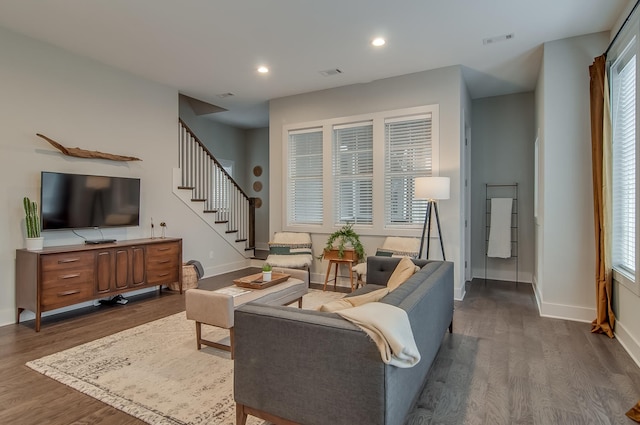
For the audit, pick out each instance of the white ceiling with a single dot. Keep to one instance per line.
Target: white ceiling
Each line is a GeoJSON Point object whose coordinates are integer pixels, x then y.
{"type": "Point", "coordinates": [207, 47]}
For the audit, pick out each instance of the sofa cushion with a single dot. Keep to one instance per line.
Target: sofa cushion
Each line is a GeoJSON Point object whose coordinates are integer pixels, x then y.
{"type": "Point", "coordinates": [379, 269]}
{"type": "Point", "coordinates": [403, 271]}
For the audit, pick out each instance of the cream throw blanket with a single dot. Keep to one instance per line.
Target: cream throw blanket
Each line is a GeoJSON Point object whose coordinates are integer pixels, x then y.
{"type": "Point", "coordinates": [389, 327]}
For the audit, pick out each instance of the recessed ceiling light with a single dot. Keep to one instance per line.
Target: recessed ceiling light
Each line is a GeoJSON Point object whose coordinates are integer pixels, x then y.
{"type": "Point", "coordinates": [378, 42]}
{"type": "Point", "coordinates": [263, 69]}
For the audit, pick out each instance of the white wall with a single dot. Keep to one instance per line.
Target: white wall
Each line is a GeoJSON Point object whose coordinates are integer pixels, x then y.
{"type": "Point", "coordinates": [80, 102]}
{"type": "Point", "coordinates": [502, 151]}
{"type": "Point", "coordinates": [441, 86]}
{"type": "Point", "coordinates": [565, 283]}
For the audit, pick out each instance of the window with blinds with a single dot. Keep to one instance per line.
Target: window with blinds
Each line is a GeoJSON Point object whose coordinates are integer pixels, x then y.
{"type": "Point", "coordinates": [304, 188]}
{"type": "Point", "coordinates": [623, 120]}
{"type": "Point", "coordinates": [360, 169]}
{"type": "Point", "coordinates": [353, 173]}
{"type": "Point", "coordinates": [408, 154]}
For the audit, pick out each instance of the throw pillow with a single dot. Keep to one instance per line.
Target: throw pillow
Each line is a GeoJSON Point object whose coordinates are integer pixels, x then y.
{"type": "Point", "coordinates": [349, 302]}
{"type": "Point", "coordinates": [404, 270]}
{"type": "Point", "coordinates": [384, 252]}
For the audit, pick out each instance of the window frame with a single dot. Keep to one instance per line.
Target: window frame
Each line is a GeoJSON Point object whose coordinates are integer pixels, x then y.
{"type": "Point", "coordinates": [619, 48]}
{"type": "Point", "coordinates": [377, 227]}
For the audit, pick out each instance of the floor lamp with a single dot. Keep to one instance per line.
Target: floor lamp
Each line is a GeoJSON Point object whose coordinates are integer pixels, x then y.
{"type": "Point", "coordinates": [432, 189]}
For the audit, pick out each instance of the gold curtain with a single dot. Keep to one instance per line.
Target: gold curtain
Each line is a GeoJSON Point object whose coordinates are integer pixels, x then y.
{"type": "Point", "coordinates": [600, 130]}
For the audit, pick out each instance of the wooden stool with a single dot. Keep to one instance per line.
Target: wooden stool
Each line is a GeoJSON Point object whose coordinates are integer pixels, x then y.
{"type": "Point", "coordinates": [337, 262]}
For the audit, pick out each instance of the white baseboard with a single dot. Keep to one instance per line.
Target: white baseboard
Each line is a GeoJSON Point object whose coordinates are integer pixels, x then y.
{"type": "Point", "coordinates": [562, 311]}
{"type": "Point", "coordinates": [628, 342]}
{"type": "Point", "coordinates": [459, 293]}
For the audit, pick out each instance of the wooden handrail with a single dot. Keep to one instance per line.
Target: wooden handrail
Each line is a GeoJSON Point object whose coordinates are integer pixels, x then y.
{"type": "Point", "coordinates": [192, 134]}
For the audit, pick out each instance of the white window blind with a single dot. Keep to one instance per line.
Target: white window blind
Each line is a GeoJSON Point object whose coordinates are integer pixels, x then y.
{"type": "Point", "coordinates": [408, 154]}
{"type": "Point", "coordinates": [353, 173]}
{"type": "Point", "coordinates": [304, 187]}
{"type": "Point", "coordinates": [623, 111]}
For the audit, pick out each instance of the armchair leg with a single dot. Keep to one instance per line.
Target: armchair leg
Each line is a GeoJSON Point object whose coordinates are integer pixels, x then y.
{"type": "Point", "coordinates": [241, 416]}
{"type": "Point", "coordinates": [198, 334]}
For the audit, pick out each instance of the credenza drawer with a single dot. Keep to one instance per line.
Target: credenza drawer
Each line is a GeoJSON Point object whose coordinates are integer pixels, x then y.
{"type": "Point", "coordinates": [163, 249]}
{"type": "Point", "coordinates": [162, 276]}
{"type": "Point", "coordinates": [64, 293]}
{"type": "Point", "coordinates": [80, 275]}
{"type": "Point", "coordinates": [66, 261]}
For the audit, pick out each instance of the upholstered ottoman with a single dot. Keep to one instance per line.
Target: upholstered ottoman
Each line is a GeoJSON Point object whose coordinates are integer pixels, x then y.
{"type": "Point", "coordinates": [217, 309]}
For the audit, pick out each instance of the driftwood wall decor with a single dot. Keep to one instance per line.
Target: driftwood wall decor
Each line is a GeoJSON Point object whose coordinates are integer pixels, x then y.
{"type": "Point", "coordinates": [83, 153]}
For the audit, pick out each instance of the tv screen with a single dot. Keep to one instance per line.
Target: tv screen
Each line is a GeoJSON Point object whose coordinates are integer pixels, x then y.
{"type": "Point", "coordinates": [75, 201]}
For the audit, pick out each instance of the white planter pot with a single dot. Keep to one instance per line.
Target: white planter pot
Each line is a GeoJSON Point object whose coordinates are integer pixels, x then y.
{"type": "Point", "coordinates": [266, 276]}
{"type": "Point", "coordinates": [35, 244]}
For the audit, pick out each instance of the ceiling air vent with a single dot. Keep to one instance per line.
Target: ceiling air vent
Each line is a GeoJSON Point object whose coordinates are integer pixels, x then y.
{"type": "Point", "coordinates": [498, 38]}
{"type": "Point", "coordinates": [330, 72]}
{"type": "Point", "coordinates": [223, 95]}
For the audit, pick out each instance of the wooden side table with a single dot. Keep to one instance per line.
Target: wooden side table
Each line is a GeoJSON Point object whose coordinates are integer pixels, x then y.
{"type": "Point", "coordinates": [349, 258]}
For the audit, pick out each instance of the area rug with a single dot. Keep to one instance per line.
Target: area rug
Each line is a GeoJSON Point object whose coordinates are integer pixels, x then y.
{"type": "Point", "coordinates": [154, 372]}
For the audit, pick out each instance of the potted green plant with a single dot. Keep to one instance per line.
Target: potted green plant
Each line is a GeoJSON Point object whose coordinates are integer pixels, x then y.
{"type": "Point", "coordinates": [343, 239]}
{"type": "Point", "coordinates": [32, 223]}
{"type": "Point", "coordinates": [266, 272]}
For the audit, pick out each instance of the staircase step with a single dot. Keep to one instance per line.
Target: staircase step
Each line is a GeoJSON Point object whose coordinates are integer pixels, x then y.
{"type": "Point", "coordinates": [210, 211]}
{"type": "Point", "coordinates": [249, 248]}
{"type": "Point", "coordinates": [186, 187]}
{"type": "Point", "coordinates": [197, 200]}
{"type": "Point", "coordinates": [231, 231]}
{"type": "Point", "coordinates": [221, 221]}
{"type": "Point", "coordinates": [241, 240]}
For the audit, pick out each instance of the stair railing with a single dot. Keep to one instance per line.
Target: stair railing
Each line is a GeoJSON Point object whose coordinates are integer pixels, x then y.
{"type": "Point", "coordinates": [215, 188]}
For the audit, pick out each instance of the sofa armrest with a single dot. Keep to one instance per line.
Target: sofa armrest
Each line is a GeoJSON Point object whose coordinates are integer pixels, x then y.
{"type": "Point", "coordinates": [306, 366]}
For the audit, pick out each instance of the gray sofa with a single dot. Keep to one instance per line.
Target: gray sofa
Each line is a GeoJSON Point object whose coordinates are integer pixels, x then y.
{"type": "Point", "coordinates": [315, 368]}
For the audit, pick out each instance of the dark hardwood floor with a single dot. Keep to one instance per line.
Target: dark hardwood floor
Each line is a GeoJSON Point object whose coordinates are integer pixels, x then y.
{"type": "Point", "coordinates": [502, 365]}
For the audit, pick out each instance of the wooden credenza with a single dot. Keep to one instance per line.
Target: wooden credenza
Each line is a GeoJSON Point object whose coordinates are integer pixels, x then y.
{"type": "Point", "coordinates": [57, 277]}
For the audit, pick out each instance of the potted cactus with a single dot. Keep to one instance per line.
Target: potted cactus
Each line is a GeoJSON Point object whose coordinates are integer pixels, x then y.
{"type": "Point", "coordinates": [266, 272]}
{"type": "Point", "coordinates": [32, 223]}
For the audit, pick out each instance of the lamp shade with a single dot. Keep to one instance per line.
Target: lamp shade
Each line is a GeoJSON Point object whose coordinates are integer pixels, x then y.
{"type": "Point", "coordinates": [432, 188]}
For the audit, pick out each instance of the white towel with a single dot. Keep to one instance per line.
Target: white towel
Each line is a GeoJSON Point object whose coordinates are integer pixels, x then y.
{"type": "Point", "coordinates": [500, 230]}
{"type": "Point", "coordinates": [389, 327]}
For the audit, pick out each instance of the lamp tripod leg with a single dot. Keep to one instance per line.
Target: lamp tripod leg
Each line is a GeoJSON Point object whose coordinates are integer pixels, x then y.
{"type": "Point", "coordinates": [424, 229]}
{"type": "Point", "coordinates": [428, 223]}
{"type": "Point", "coordinates": [439, 231]}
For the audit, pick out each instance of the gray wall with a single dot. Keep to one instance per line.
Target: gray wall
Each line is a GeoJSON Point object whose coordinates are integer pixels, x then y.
{"type": "Point", "coordinates": [81, 102]}
{"type": "Point", "coordinates": [257, 141]}
{"type": "Point", "coordinates": [440, 86]}
{"type": "Point", "coordinates": [503, 152]}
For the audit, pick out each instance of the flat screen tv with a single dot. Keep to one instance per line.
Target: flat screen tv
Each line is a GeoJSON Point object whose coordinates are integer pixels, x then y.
{"type": "Point", "coordinates": [76, 201]}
